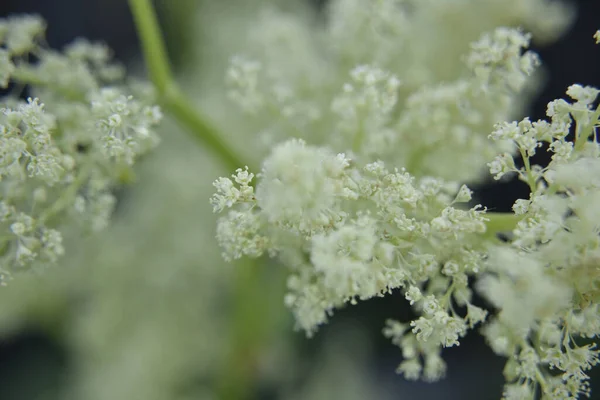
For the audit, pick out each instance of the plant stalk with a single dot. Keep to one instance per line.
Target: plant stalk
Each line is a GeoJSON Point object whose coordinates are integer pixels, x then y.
{"type": "Point", "coordinates": [250, 299]}
{"type": "Point", "coordinates": [171, 97]}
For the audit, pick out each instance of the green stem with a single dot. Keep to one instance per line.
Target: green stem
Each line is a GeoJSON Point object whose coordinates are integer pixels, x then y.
{"type": "Point", "coordinates": [250, 314]}
{"type": "Point", "coordinates": [181, 109]}
{"type": "Point", "coordinates": [530, 178]}
{"type": "Point", "coordinates": [258, 317]}
{"type": "Point", "coordinates": [582, 138]}
{"type": "Point", "coordinates": [178, 23]}
{"type": "Point", "coordinates": [501, 222]}
{"type": "Point", "coordinates": [171, 97]}
{"type": "Point", "coordinates": [247, 333]}
{"type": "Point", "coordinates": [153, 48]}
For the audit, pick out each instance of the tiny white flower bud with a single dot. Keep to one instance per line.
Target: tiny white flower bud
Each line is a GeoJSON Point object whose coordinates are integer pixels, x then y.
{"type": "Point", "coordinates": [115, 121]}
{"type": "Point", "coordinates": [450, 268]}
{"type": "Point", "coordinates": [18, 228]}
{"type": "Point", "coordinates": [413, 294]}
{"type": "Point", "coordinates": [464, 195]}
{"type": "Point", "coordinates": [430, 305]}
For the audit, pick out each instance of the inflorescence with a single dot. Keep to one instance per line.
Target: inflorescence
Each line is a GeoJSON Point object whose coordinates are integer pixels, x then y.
{"type": "Point", "coordinates": [69, 133]}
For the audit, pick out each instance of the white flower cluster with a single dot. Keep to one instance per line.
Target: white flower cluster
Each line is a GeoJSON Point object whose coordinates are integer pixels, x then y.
{"type": "Point", "coordinates": [350, 229]}
{"type": "Point", "coordinates": [354, 99]}
{"type": "Point", "coordinates": [242, 78]}
{"type": "Point", "coordinates": [498, 58]}
{"type": "Point", "coordinates": [349, 232]}
{"type": "Point", "coordinates": [545, 284]}
{"type": "Point", "coordinates": [411, 37]}
{"type": "Point", "coordinates": [364, 109]}
{"type": "Point", "coordinates": [125, 124]}
{"type": "Point", "coordinates": [61, 159]}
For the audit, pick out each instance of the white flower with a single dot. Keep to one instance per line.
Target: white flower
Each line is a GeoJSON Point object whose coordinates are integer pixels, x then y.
{"type": "Point", "coordinates": [580, 174]}
{"type": "Point", "coordinates": [464, 195]}
{"type": "Point", "coordinates": [450, 268]}
{"type": "Point", "coordinates": [394, 330]}
{"type": "Point", "coordinates": [126, 125]}
{"type": "Point", "coordinates": [410, 369]}
{"type": "Point", "coordinates": [227, 195]}
{"type": "Point", "coordinates": [239, 234]}
{"type": "Point", "coordinates": [505, 131]}
{"type": "Point", "coordinates": [450, 329]}
{"type": "Point", "coordinates": [52, 244]}
{"type": "Point", "coordinates": [413, 294]}
{"type": "Point", "coordinates": [435, 367]}
{"type": "Point", "coordinates": [499, 58]}
{"type": "Point", "coordinates": [558, 109]}
{"type": "Point", "coordinates": [562, 150]}
{"type": "Point", "coordinates": [475, 314]}
{"type": "Point", "coordinates": [430, 305]}
{"type": "Point", "coordinates": [24, 254]}
{"type": "Point", "coordinates": [518, 392]}
{"type": "Point", "coordinates": [423, 328]}
{"type": "Point", "coordinates": [243, 79]}
{"type": "Point", "coordinates": [502, 165]}
{"type": "Point", "coordinates": [301, 187]}
{"type": "Point", "coordinates": [23, 32]}
{"type": "Point", "coordinates": [584, 95]}
{"type": "Point", "coordinates": [7, 68]}
{"type": "Point", "coordinates": [343, 256]}
{"type": "Point", "coordinates": [521, 206]}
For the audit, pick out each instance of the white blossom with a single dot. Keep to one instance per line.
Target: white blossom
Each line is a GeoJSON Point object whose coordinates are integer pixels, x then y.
{"type": "Point", "coordinates": [500, 57]}
{"type": "Point", "coordinates": [301, 187]}
{"type": "Point", "coordinates": [64, 156]}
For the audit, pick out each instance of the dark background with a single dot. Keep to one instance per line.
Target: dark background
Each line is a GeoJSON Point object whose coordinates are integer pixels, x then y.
{"type": "Point", "coordinates": [473, 371]}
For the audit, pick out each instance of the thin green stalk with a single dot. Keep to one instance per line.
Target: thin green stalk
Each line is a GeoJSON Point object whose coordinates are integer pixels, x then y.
{"type": "Point", "coordinates": [526, 163]}
{"type": "Point", "coordinates": [501, 222]}
{"type": "Point", "coordinates": [171, 97]}
{"type": "Point", "coordinates": [250, 304]}
{"type": "Point", "coordinates": [153, 47]}
{"type": "Point", "coordinates": [182, 110]}
{"type": "Point", "coordinates": [258, 314]}
{"type": "Point", "coordinates": [586, 131]}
